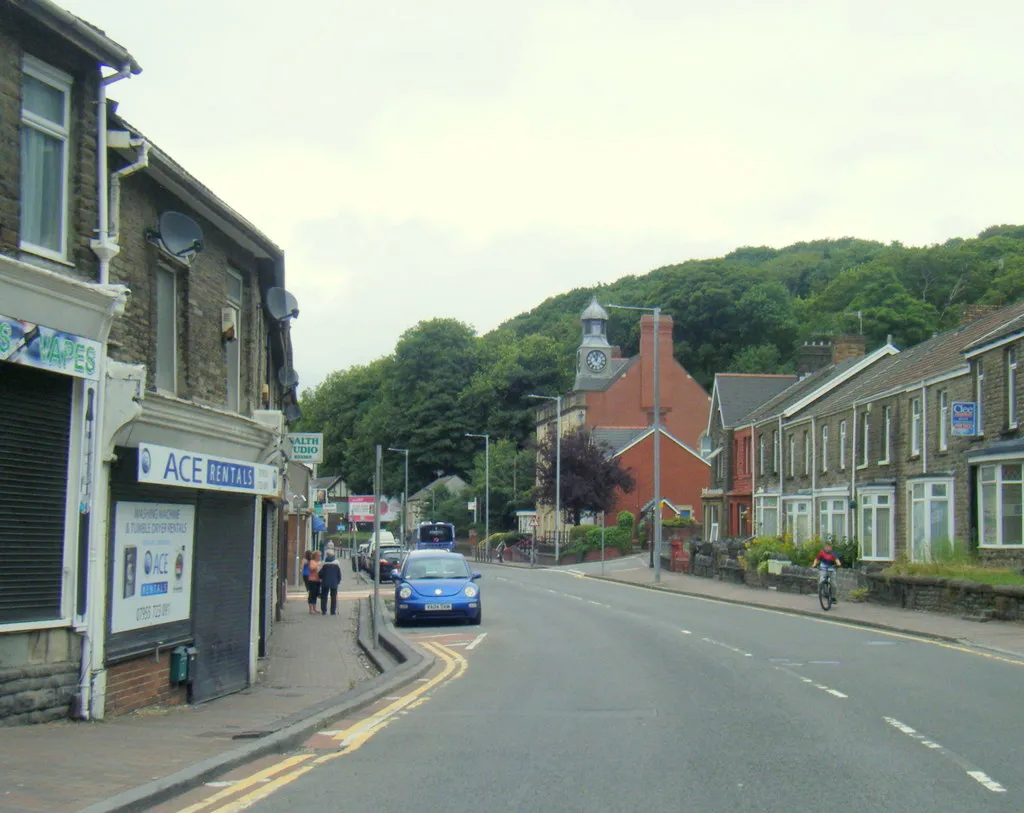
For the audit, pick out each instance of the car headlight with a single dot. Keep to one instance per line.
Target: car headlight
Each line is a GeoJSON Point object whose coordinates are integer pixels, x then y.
{"type": "Point", "coordinates": [470, 590]}
{"type": "Point", "coordinates": [405, 592]}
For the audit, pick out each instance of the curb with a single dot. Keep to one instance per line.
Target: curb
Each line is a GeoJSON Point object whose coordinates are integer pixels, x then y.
{"type": "Point", "coordinates": [412, 664]}
{"type": "Point", "coordinates": [791, 611]}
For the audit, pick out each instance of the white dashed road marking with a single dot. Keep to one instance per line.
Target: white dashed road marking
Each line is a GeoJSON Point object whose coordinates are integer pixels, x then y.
{"type": "Point", "coordinates": [978, 776]}
{"type": "Point", "coordinates": [477, 641]}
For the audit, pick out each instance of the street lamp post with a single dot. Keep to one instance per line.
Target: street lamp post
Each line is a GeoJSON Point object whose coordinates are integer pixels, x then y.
{"type": "Point", "coordinates": [487, 493]}
{"type": "Point", "coordinates": [558, 467]}
{"type": "Point", "coordinates": [405, 496]}
{"type": "Point", "coordinates": [656, 547]}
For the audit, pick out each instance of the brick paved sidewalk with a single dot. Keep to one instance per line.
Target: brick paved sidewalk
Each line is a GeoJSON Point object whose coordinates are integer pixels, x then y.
{"type": "Point", "coordinates": [1005, 637]}
{"type": "Point", "coordinates": [67, 766]}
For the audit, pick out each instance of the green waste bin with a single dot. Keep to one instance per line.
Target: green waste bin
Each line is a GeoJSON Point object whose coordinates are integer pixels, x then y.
{"type": "Point", "coordinates": [179, 664]}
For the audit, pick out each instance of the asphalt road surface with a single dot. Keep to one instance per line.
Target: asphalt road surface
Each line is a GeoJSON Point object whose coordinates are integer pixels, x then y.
{"type": "Point", "coordinates": [597, 696]}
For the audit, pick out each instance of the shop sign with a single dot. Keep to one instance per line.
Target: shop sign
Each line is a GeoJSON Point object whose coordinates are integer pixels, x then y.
{"type": "Point", "coordinates": [152, 578]}
{"type": "Point", "coordinates": [48, 349]}
{"type": "Point", "coordinates": [164, 466]}
{"type": "Point", "coordinates": [305, 447]}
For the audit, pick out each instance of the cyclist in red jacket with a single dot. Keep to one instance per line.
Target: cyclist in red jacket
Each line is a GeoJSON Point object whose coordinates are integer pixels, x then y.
{"type": "Point", "coordinates": [827, 560]}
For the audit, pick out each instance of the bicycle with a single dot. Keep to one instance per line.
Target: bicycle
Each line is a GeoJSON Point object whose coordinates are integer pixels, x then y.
{"type": "Point", "coordinates": [827, 588]}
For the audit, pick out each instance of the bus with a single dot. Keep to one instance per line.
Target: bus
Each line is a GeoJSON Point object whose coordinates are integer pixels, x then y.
{"type": "Point", "coordinates": [434, 535]}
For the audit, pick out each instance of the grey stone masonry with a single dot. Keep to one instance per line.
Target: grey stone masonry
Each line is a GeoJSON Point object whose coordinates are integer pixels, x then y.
{"type": "Point", "coordinates": [37, 693]}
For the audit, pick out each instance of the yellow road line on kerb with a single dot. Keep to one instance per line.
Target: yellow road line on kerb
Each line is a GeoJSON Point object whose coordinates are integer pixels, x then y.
{"type": "Point", "coordinates": [249, 781]}
{"type": "Point", "coordinates": [350, 740]}
{"type": "Point", "coordinates": [907, 636]}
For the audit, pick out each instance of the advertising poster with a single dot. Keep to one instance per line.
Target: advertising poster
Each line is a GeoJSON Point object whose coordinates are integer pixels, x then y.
{"type": "Point", "coordinates": [152, 565]}
{"type": "Point", "coordinates": [360, 509]}
{"type": "Point", "coordinates": [962, 418]}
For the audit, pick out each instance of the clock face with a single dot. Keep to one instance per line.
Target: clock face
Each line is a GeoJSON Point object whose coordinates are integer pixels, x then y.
{"type": "Point", "coordinates": [596, 360]}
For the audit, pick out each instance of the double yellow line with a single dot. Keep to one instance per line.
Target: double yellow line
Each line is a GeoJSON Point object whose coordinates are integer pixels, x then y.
{"type": "Point", "coordinates": [283, 773]}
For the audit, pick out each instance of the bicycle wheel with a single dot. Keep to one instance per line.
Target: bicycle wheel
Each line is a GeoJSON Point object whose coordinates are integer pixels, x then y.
{"type": "Point", "coordinates": [825, 594]}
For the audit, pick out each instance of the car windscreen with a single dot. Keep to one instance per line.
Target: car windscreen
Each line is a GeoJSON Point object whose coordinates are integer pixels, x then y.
{"type": "Point", "coordinates": [391, 553]}
{"type": "Point", "coordinates": [437, 567]}
{"type": "Point", "coordinates": [436, 533]}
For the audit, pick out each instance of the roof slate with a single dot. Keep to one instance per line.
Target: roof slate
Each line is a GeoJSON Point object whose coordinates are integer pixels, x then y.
{"type": "Point", "coordinates": [739, 393]}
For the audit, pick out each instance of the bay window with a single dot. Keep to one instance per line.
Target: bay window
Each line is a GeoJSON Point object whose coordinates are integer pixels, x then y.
{"type": "Point", "coordinates": [798, 519]}
{"type": "Point", "coordinates": [832, 518]}
{"type": "Point", "coordinates": [1000, 505]}
{"type": "Point", "coordinates": [767, 516]}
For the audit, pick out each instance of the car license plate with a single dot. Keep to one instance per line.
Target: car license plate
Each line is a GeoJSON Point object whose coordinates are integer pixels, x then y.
{"type": "Point", "coordinates": [438, 607]}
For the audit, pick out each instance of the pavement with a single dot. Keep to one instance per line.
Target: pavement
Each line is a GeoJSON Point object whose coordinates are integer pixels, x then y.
{"type": "Point", "coordinates": [320, 668]}
{"type": "Point", "coordinates": [998, 637]}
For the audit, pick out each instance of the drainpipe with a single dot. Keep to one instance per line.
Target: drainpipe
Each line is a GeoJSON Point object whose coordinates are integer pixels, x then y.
{"type": "Point", "coordinates": [101, 245]}
{"type": "Point", "coordinates": [853, 473]}
{"type": "Point", "coordinates": [924, 429]}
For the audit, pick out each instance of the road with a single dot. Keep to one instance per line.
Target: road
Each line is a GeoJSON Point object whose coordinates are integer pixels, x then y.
{"type": "Point", "coordinates": [589, 695]}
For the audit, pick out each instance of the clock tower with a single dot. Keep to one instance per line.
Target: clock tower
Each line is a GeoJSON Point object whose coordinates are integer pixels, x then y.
{"type": "Point", "coordinates": [593, 359]}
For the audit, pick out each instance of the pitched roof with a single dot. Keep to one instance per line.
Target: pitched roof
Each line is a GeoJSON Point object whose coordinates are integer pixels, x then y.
{"type": "Point", "coordinates": [612, 440]}
{"type": "Point", "coordinates": [592, 383]}
{"type": "Point", "coordinates": [1014, 322]}
{"type": "Point", "coordinates": [933, 357]}
{"type": "Point", "coordinates": [326, 482]}
{"type": "Point", "coordinates": [739, 393]}
{"type": "Point", "coordinates": [452, 482]}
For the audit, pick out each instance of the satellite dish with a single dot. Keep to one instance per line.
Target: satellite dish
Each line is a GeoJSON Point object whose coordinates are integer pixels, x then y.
{"type": "Point", "coordinates": [287, 377]}
{"type": "Point", "coordinates": [292, 413]}
{"type": "Point", "coordinates": [281, 304]}
{"type": "Point", "coordinates": [179, 235]}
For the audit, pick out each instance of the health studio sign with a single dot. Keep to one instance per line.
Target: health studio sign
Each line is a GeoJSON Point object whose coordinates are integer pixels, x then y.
{"type": "Point", "coordinates": [162, 465]}
{"type": "Point", "coordinates": [152, 564]}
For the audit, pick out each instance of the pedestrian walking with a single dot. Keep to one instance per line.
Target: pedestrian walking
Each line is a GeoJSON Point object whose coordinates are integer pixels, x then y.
{"type": "Point", "coordinates": [314, 582]}
{"type": "Point", "coordinates": [305, 568]}
{"type": "Point", "coordinates": [330, 580]}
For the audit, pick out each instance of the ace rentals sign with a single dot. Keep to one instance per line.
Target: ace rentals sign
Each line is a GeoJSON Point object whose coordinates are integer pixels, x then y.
{"type": "Point", "coordinates": [305, 447]}
{"type": "Point", "coordinates": [179, 467]}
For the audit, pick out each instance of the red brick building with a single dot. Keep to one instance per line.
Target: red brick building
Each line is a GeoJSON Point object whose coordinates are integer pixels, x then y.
{"type": "Point", "coordinates": [613, 397]}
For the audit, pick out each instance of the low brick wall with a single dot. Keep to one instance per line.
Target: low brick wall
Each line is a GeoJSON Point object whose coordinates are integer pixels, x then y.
{"type": "Point", "coordinates": [141, 682]}
{"type": "Point", "coordinates": [952, 596]}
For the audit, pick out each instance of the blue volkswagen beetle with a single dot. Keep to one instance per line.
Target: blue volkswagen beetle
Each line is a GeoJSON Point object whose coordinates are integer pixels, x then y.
{"type": "Point", "coordinates": [436, 584]}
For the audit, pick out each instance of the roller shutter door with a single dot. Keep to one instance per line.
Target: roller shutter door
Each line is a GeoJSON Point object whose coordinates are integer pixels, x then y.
{"type": "Point", "coordinates": [222, 594]}
{"type": "Point", "coordinates": [34, 437]}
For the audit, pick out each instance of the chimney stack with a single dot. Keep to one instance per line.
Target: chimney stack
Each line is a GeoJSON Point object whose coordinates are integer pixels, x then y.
{"type": "Point", "coordinates": [974, 312]}
{"type": "Point", "coordinates": [848, 346]}
{"type": "Point", "coordinates": [812, 356]}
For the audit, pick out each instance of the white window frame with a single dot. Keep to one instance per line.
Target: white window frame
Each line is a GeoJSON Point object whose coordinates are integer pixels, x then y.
{"type": "Point", "coordinates": [869, 505]}
{"type": "Point", "coordinates": [842, 445]}
{"type": "Point", "coordinates": [915, 427]}
{"type": "Point", "coordinates": [712, 523]}
{"type": "Point", "coordinates": [979, 395]}
{"type": "Point", "coordinates": [798, 512]}
{"type": "Point", "coordinates": [760, 449]}
{"type": "Point", "coordinates": [158, 376]}
{"type": "Point", "coordinates": [62, 82]}
{"type": "Point", "coordinates": [776, 449]}
{"type": "Point", "coordinates": [921, 548]}
{"type": "Point", "coordinates": [807, 452]}
{"type": "Point", "coordinates": [992, 483]}
{"type": "Point", "coordinates": [865, 430]}
{"type": "Point", "coordinates": [824, 448]}
{"type": "Point", "coordinates": [791, 444]}
{"type": "Point", "coordinates": [830, 509]}
{"type": "Point", "coordinates": [944, 420]}
{"type": "Point", "coordinates": [886, 435]}
{"type": "Point", "coordinates": [764, 505]}
{"type": "Point", "coordinates": [1011, 388]}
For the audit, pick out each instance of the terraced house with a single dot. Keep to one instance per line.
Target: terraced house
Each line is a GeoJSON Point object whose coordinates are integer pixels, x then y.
{"type": "Point", "coordinates": [889, 458]}
{"type": "Point", "coordinates": [145, 366]}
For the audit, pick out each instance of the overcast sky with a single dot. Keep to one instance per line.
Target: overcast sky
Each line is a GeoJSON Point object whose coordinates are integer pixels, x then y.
{"type": "Point", "coordinates": [470, 158]}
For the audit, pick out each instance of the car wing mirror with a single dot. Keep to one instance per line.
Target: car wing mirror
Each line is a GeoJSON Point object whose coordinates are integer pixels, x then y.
{"type": "Point", "coordinates": [476, 576]}
{"type": "Point", "coordinates": [396, 577]}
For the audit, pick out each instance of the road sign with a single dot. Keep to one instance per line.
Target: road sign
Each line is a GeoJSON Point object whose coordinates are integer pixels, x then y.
{"type": "Point", "coordinates": [963, 417]}
{"type": "Point", "coordinates": [305, 447]}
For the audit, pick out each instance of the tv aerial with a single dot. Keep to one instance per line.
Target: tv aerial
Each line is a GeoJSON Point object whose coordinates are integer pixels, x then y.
{"type": "Point", "coordinates": [178, 235]}
{"type": "Point", "coordinates": [281, 304]}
